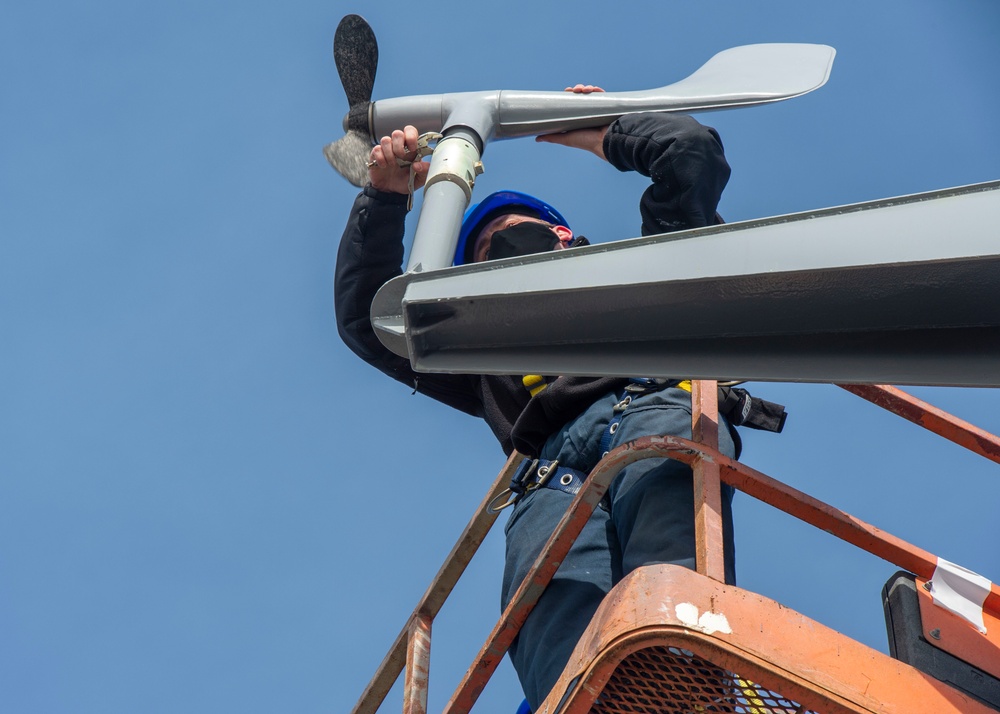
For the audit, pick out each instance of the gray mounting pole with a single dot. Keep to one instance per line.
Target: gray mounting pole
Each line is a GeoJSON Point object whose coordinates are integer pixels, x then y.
{"type": "Point", "coordinates": [447, 194]}
{"type": "Point", "coordinates": [450, 180]}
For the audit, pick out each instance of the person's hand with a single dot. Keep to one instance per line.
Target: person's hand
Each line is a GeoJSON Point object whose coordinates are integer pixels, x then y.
{"type": "Point", "coordinates": [583, 89]}
{"type": "Point", "coordinates": [591, 140]}
{"type": "Point", "coordinates": [384, 171]}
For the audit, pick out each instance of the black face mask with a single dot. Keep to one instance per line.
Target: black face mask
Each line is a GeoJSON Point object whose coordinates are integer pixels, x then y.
{"type": "Point", "coordinates": [522, 239]}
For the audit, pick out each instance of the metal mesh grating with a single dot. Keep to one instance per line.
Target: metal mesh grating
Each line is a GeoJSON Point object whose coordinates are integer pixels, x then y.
{"type": "Point", "coordinates": [669, 680]}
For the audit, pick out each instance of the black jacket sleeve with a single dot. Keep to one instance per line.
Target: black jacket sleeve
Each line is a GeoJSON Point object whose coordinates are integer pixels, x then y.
{"type": "Point", "coordinates": [371, 253]}
{"type": "Point", "coordinates": [684, 159]}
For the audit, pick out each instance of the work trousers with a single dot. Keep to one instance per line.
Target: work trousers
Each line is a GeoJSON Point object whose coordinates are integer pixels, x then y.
{"type": "Point", "coordinates": [646, 517]}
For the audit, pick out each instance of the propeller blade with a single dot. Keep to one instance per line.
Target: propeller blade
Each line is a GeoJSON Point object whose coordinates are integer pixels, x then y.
{"type": "Point", "coordinates": [349, 156]}
{"type": "Point", "coordinates": [355, 51]}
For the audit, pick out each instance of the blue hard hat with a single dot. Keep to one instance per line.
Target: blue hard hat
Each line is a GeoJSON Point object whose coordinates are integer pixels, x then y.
{"type": "Point", "coordinates": [497, 204]}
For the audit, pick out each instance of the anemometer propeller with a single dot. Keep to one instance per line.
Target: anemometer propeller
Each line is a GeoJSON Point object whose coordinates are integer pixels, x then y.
{"type": "Point", "coordinates": [738, 77]}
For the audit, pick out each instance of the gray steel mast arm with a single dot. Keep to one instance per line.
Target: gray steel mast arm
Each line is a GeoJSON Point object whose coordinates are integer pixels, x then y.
{"type": "Point", "coordinates": [737, 77]}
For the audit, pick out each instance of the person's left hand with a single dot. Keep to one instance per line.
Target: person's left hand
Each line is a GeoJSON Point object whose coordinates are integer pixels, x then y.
{"type": "Point", "coordinates": [591, 140]}
{"type": "Point", "coordinates": [384, 170]}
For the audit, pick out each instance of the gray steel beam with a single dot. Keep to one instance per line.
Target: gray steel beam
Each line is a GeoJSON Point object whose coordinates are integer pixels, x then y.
{"type": "Point", "coordinates": [901, 291]}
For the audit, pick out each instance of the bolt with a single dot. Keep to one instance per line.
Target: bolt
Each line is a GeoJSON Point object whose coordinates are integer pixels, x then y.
{"type": "Point", "coordinates": [935, 633]}
{"type": "Point", "coordinates": [927, 586]}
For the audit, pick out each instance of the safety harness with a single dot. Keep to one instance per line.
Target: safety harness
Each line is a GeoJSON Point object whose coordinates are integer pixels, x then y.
{"type": "Point", "coordinates": [738, 406]}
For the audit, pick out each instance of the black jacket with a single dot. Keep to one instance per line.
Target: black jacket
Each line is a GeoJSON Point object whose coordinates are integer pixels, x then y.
{"type": "Point", "coordinates": [686, 163]}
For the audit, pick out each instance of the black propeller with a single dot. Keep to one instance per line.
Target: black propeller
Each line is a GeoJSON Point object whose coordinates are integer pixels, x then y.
{"type": "Point", "coordinates": [355, 51]}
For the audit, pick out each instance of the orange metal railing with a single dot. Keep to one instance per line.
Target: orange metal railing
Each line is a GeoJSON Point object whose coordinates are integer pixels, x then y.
{"type": "Point", "coordinates": [412, 646]}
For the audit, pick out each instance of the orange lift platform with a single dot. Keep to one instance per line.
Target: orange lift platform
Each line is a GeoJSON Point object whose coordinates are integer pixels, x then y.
{"type": "Point", "coordinates": [671, 640]}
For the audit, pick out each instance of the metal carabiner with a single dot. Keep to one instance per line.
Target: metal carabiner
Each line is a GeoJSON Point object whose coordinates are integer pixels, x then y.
{"type": "Point", "coordinates": [422, 149]}
{"type": "Point", "coordinates": [511, 500]}
{"type": "Point", "coordinates": [622, 405]}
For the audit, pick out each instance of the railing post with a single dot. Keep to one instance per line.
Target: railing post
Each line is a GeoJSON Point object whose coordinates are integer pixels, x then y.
{"type": "Point", "coordinates": [418, 663]}
{"type": "Point", "coordinates": [707, 482]}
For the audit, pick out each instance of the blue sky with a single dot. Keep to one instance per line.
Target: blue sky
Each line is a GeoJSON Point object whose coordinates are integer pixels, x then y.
{"type": "Point", "coordinates": [208, 504]}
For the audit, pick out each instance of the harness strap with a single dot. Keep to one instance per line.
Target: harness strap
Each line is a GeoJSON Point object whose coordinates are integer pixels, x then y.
{"type": "Point", "coordinates": [532, 474]}
{"type": "Point", "coordinates": [738, 406]}
{"type": "Point", "coordinates": [637, 387]}
{"type": "Point", "coordinates": [542, 473]}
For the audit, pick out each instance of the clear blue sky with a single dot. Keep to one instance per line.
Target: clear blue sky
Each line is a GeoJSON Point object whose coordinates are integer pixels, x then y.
{"type": "Point", "coordinates": [207, 504]}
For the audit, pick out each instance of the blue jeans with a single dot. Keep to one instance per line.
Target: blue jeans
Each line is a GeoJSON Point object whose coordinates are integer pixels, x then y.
{"type": "Point", "coordinates": [648, 518]}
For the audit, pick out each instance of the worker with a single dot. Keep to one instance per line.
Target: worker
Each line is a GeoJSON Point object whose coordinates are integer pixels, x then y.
{"type": "Point", "coordinates": [647, 515]}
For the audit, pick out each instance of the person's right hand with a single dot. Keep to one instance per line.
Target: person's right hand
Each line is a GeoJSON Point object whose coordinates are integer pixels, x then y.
{"type": "Point", "coordinates": [385, 173]}
{"type": "Point", "coordinates": [583, 89]}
